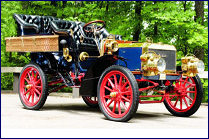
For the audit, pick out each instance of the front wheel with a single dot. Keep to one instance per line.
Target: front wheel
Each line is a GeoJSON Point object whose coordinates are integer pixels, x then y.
{"type": "Point", "coordinates": [118, 94]}
{"type": "Point", "coordinates": [185, 96]}
{"type": "Point", "coordinates": [32, 87]}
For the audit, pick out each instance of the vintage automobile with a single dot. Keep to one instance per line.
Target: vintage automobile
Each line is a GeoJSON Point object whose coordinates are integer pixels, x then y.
{"type": "Point", "coordinates": [112, 74]}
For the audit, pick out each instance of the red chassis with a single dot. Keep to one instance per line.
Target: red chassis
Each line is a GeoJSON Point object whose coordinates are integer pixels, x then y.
{"type": "Point", "coordinates": [179, 91]}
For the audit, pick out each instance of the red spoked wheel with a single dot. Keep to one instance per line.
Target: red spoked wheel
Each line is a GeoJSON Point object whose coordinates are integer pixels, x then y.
{"type": "Point", "coordinates": [185, 96]}
{"type": "Point", "coordinates": [118, 94]}
{"type": "Point", "coordinates": [90, 101]}
{"type": "Point", "coordinates": [32, 87]}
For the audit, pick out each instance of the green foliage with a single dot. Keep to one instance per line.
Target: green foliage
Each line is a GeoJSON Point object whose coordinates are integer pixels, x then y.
{"type": "Point", "coordinates": [173, 22]}
{"type": "Point", "coordinates": [205, 89]}
{"type": "Point", "coordinates": [6, 81]}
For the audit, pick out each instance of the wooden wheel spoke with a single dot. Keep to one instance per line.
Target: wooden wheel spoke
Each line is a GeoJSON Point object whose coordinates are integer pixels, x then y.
{"type": "Point", "coordinates": [29, 76]}
{"type": "Point", "coordinates": [36, 95]}
{"type": "Point", "coordinates": [32, 74]}
{"type": "Point", "coordinates": [29, 96]}
{"type": "Point", "coordinates": [190, 91]}
{"type": "Point", "coordinates": [26, 80]}
{"type": "Point", "coordinates": [113, 110]}
{"type": "Point", "coordinates": [189, 98]}
{"type": "Point", "coordinates": [185, 81]}
{"type": "Point", "coordinates": [126, 99]}
{"type": "Point", "coordinates": [27, 91]}
{"type": "Point", "coordinates": [126, 93]}
{"type": "Point", "coordinates": [33, 97]}
{"type": "Point", "coordinates": [39, 87]}
{"type": "Point", "coordinates": [119, 109]}
{"type": "Point", "coordinates": [37, 81]}
{"type": "Point", "coordinates": [124, 85]}
{"type": "Point", "coordinates": [108, 88]}
{"type": "Point", "coordinates": [111, 83]}
{"type": "Point", "coordinates": [37, 91]}
{"type": "Point", "coordinates": [107, 96]}
{"type": "Point", "coordinates": [124, 105]}
{"type": "Point", "coordinates": [110, 103]}
{"type": "Point", "coordinates": [171, 98]}
{"type": "Point", "coordinates": [176, 101]}
{"type": "Point", "coordinates": [115, 80]}
{"type": "Point", "coordinates": [180, 103]}
{"type": "Point", "coordinates": [185, 102]}
{"type": "Point", "coordinates": [190, 85]}
{"type": "Point", "coordinates": [36, 77]}
{"type": "Point", "coordinates": [120, 80]}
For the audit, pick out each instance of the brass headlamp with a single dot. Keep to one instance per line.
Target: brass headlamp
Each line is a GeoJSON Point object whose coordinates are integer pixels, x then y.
{"type": "Point", "coordinates": [109, 45]}
{"type": "Point", "coordinates": [150, 63]}
{"type": "Point", "coordinates": [191, 65]}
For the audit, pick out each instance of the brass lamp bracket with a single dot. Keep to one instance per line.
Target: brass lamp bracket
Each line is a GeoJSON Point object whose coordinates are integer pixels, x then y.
{"type": "Point", "coordinates": [66, 55]}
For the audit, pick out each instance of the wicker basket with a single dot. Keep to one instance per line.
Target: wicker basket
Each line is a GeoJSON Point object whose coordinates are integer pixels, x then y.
{"type": "Point", "coordinates": [44, 43]}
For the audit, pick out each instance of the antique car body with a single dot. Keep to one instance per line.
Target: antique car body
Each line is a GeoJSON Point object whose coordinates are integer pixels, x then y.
{"type": "Point", "coordinates": [119, 73]}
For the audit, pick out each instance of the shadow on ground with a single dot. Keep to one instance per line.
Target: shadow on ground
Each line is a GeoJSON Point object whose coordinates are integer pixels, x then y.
{"type": "Point", "coordinates": [83, 108]}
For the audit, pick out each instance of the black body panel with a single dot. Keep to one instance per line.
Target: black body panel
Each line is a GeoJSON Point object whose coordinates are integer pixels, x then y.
{"type": "Point", "coordinates": [90, 81]}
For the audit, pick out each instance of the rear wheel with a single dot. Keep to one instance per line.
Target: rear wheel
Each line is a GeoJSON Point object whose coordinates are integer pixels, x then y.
{"type": "Point", "coordinates": [32, 87]}
{"type": "Point", "coordinates": [118, 94]}
{"type": "Point", "coordinates": [90, 101]}
{"type": "Point", "coordinates": [185, 97]}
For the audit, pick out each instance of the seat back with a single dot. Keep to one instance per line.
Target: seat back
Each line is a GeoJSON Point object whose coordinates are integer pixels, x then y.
{"type": "Point", "coordinates": [33, 24]}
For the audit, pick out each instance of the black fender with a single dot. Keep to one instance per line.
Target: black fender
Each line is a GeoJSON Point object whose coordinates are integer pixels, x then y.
{"type": "Point", "coordinates": [91, 78]}
{"type": "Point", "coordinates": [46, 61]}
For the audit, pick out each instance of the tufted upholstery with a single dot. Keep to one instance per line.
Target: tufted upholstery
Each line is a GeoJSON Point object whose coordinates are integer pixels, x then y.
{"type": "Point", "coordinates": [34, 24]}
{"type": "Point", "coordinates": [46, 29]}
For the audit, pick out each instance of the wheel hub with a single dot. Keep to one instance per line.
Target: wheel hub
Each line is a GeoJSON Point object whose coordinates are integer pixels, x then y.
{"type": "Point", "coordinates": [113, 94]}
{"type": "Point", "coordinates": [29, 86]}
{"type": "Point", "coordinates": [181, 91]}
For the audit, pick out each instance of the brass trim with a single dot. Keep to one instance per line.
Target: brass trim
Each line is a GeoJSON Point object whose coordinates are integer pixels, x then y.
{"type": "Point", "coordinates": [124, 45]}
{"type": "Point", "coordinates": [66, 55]}
{"type": "Point", "coordinates": [83, 56]}
{"type": "Point", "coordinates": [162, 46]}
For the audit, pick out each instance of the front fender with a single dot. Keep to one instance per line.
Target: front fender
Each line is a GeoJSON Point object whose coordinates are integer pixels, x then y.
{"type": "Point", "coordinates": [91, 78]}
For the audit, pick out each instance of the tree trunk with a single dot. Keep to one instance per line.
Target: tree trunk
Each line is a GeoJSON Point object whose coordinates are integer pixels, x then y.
{"type": "Point", "coordinates": [199, 9]}
{"type": "Point", "coordinates": [54, 3]}
{"type": "Point", "coordinates": [155, 25]}
{"type": "Point", "coordinates": [107, 6]}
{"type": "Point", "coordinates": [64, 4]}
{"type": "Point", "coordinates": [138, 18]}
{"type": "Point", "coordinates": [185, 51]}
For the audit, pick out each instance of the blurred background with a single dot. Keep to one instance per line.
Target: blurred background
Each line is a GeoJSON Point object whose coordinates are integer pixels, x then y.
{"type": "Point", "coordinates": [183, 24]}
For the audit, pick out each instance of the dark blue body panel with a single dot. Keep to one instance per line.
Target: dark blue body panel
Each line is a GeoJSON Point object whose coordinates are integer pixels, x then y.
{"type": "Point", "coordinates": [131, 56]}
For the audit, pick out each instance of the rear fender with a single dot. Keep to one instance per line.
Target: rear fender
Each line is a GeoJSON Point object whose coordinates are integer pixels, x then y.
{"type": "Point", "coordinates": [46, 61]}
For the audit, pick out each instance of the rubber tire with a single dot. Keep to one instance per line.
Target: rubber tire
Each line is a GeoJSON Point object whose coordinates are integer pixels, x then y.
{"type": "Point", "coordinates": [44, 91]}
{"type": "Point", "coordinates": [90, 104]}
{"type": "Point", "coordinates": [196, 105]}
{"type": "Point", "coordinates": [135, 92]}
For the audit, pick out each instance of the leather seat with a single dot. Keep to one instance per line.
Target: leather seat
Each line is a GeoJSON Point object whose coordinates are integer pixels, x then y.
{"type": "Point", "coordinates": [33, 24]}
